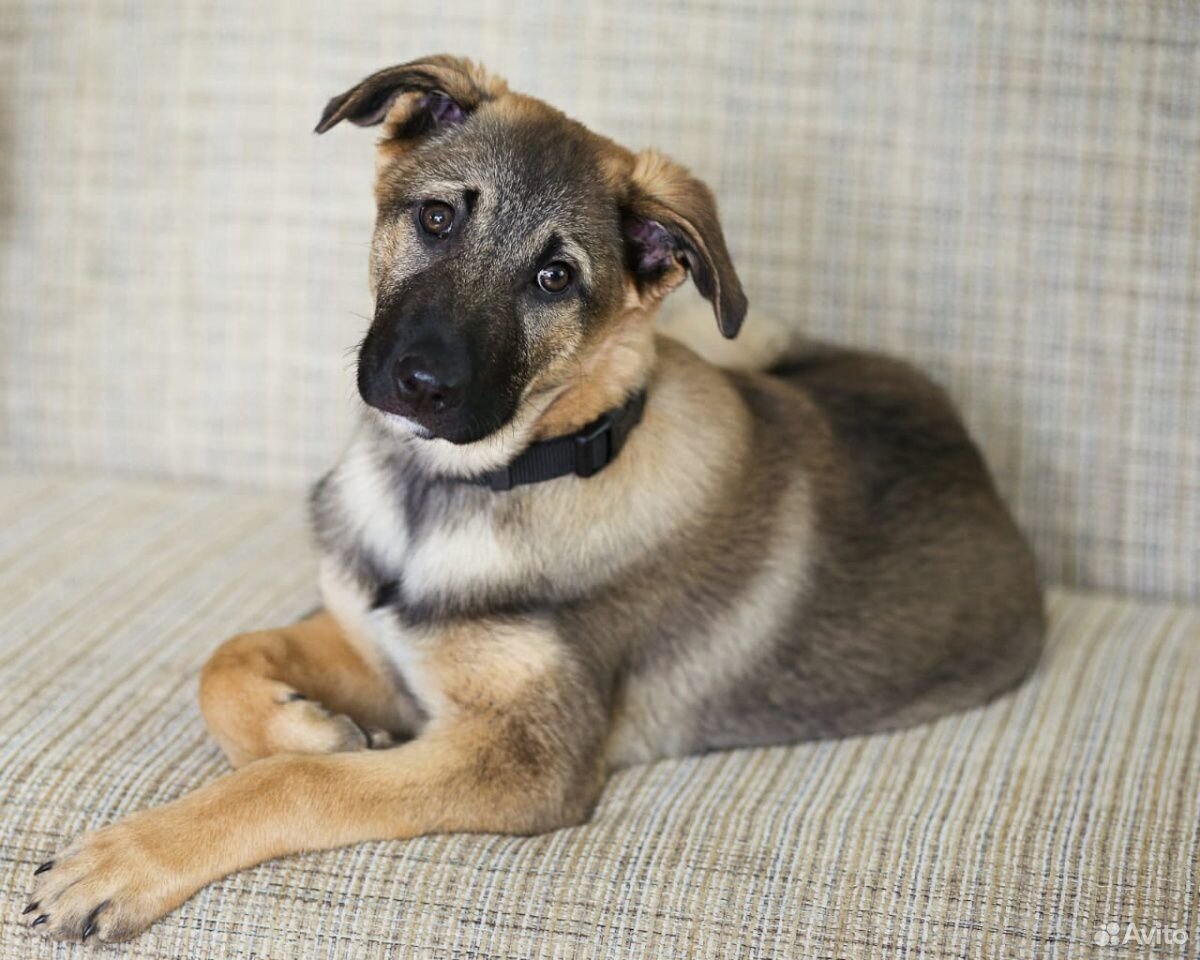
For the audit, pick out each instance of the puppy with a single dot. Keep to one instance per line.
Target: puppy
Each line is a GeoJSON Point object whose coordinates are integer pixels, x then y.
{"type": "Point", "coordinates": [560, 543]}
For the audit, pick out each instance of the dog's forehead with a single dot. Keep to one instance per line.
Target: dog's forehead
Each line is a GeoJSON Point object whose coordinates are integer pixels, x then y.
{"type": "Point", "coordinates": [532, 172]}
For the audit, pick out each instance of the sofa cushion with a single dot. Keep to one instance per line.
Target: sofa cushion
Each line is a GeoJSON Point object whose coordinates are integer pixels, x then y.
{"type": "Point", "coordinates": [1016, 830]}
{"type": "Point", "coordinates": [1008, 193]}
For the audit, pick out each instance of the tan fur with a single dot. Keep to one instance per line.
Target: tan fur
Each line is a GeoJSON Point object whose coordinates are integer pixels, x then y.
{"type": "Point", "coordinates": [302, 689]}
{"type": "Point", "coordinates": [606, 373]}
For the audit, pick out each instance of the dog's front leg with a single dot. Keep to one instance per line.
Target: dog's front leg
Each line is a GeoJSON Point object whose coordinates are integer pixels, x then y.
{"type": "Point", "coordinates": [304, 688]}
{"type": "Point", "coordinates": [515, 748]}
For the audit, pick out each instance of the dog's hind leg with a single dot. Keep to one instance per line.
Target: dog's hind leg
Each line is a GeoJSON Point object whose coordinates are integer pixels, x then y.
{"type": "Point", "coordinates": [299, 689]}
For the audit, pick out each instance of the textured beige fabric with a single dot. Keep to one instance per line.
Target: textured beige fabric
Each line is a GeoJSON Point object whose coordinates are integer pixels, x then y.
{"type": "Point", "coordinates": [1009, 832]}
{"type": "Point", "coordinates": [1008, 192]}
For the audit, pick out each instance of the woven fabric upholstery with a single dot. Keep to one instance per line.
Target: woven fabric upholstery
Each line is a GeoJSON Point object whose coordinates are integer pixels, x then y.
{"type": "Point", "coordinates": [1010, 832]}
{"type": "Point", "coordinates": [1007, 192]}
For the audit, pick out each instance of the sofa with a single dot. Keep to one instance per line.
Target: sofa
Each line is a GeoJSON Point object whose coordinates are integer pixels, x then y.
{"type": "Point", "coordinates": [1006, 193]}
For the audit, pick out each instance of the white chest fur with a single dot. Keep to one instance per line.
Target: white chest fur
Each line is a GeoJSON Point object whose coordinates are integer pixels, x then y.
{"type": "Point", "coordinates": [381, 637]}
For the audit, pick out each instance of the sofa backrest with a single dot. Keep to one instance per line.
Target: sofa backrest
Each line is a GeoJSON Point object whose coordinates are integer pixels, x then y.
{"type": "Point", "coordinates": [1007, 193]}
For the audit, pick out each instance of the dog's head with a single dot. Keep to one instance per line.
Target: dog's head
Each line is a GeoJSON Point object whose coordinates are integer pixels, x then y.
{"type": "Point", "coordinates": [517, 256]}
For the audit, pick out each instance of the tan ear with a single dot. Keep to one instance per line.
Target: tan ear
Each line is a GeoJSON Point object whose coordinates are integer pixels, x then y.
{"type": "Point", "coordinates": [671, 224]}
{"type": "Point", "coordinates": [445, 90]}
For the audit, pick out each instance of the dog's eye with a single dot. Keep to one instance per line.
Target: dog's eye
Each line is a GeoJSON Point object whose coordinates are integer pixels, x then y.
{"type": "Point", "coordinates": [554, 277]}
{"type": "Point", "coordinates": [437, 218]}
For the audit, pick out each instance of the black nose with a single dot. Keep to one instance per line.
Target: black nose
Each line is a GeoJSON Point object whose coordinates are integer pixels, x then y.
{"type": "Point", "coordinates": [422, 389]}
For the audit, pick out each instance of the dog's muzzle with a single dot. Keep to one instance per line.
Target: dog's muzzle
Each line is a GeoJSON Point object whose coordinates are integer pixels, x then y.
{"type": "Point", "coordinates": [445, 365]}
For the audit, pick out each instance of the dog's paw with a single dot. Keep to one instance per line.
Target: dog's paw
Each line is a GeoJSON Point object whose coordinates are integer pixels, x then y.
{"type": "Point", "coordinates": [273, 718]}
{"type": "Point", "coordinates": [302, 725]}
{"type": "Point", "coordinates": [102, 887]}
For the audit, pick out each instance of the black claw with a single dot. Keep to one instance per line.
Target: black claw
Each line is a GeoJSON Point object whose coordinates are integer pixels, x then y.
{"type": "Point", "coordinates": [364, 731]}
{"type": "Point", "coordinates": [89, 925]}
{"type": "Point", "coordinates": [44, 867]}
{"type": "Point", "coordinates": [29, 909]}
{"type": "Point", "coordinates": [40, 920]}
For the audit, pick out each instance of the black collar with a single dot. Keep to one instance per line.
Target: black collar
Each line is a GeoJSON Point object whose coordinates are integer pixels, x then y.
{"type": "Point", "coordinates": [582, 453]}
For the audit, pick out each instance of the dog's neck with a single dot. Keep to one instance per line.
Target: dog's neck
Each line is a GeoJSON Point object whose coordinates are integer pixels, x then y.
{"type": "Point", "coordinates": [617, 367]}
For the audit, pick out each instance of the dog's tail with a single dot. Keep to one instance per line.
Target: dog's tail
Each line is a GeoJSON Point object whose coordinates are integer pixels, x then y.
{"type": "Point", "coordinates": [764, 343]}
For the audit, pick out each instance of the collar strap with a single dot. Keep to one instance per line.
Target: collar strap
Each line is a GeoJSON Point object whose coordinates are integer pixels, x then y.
{"type": "Point", "coordinates": [582, 453]}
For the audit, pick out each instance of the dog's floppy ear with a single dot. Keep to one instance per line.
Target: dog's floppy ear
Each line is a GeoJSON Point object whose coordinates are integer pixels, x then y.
{"type": "Point", "coordinates": [444, 91]}
{"type": "Point", "coordinates": [671, 226]}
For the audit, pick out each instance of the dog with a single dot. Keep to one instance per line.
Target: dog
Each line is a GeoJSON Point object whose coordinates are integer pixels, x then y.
{"type": "Point", "coordinates": [559, 542]}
